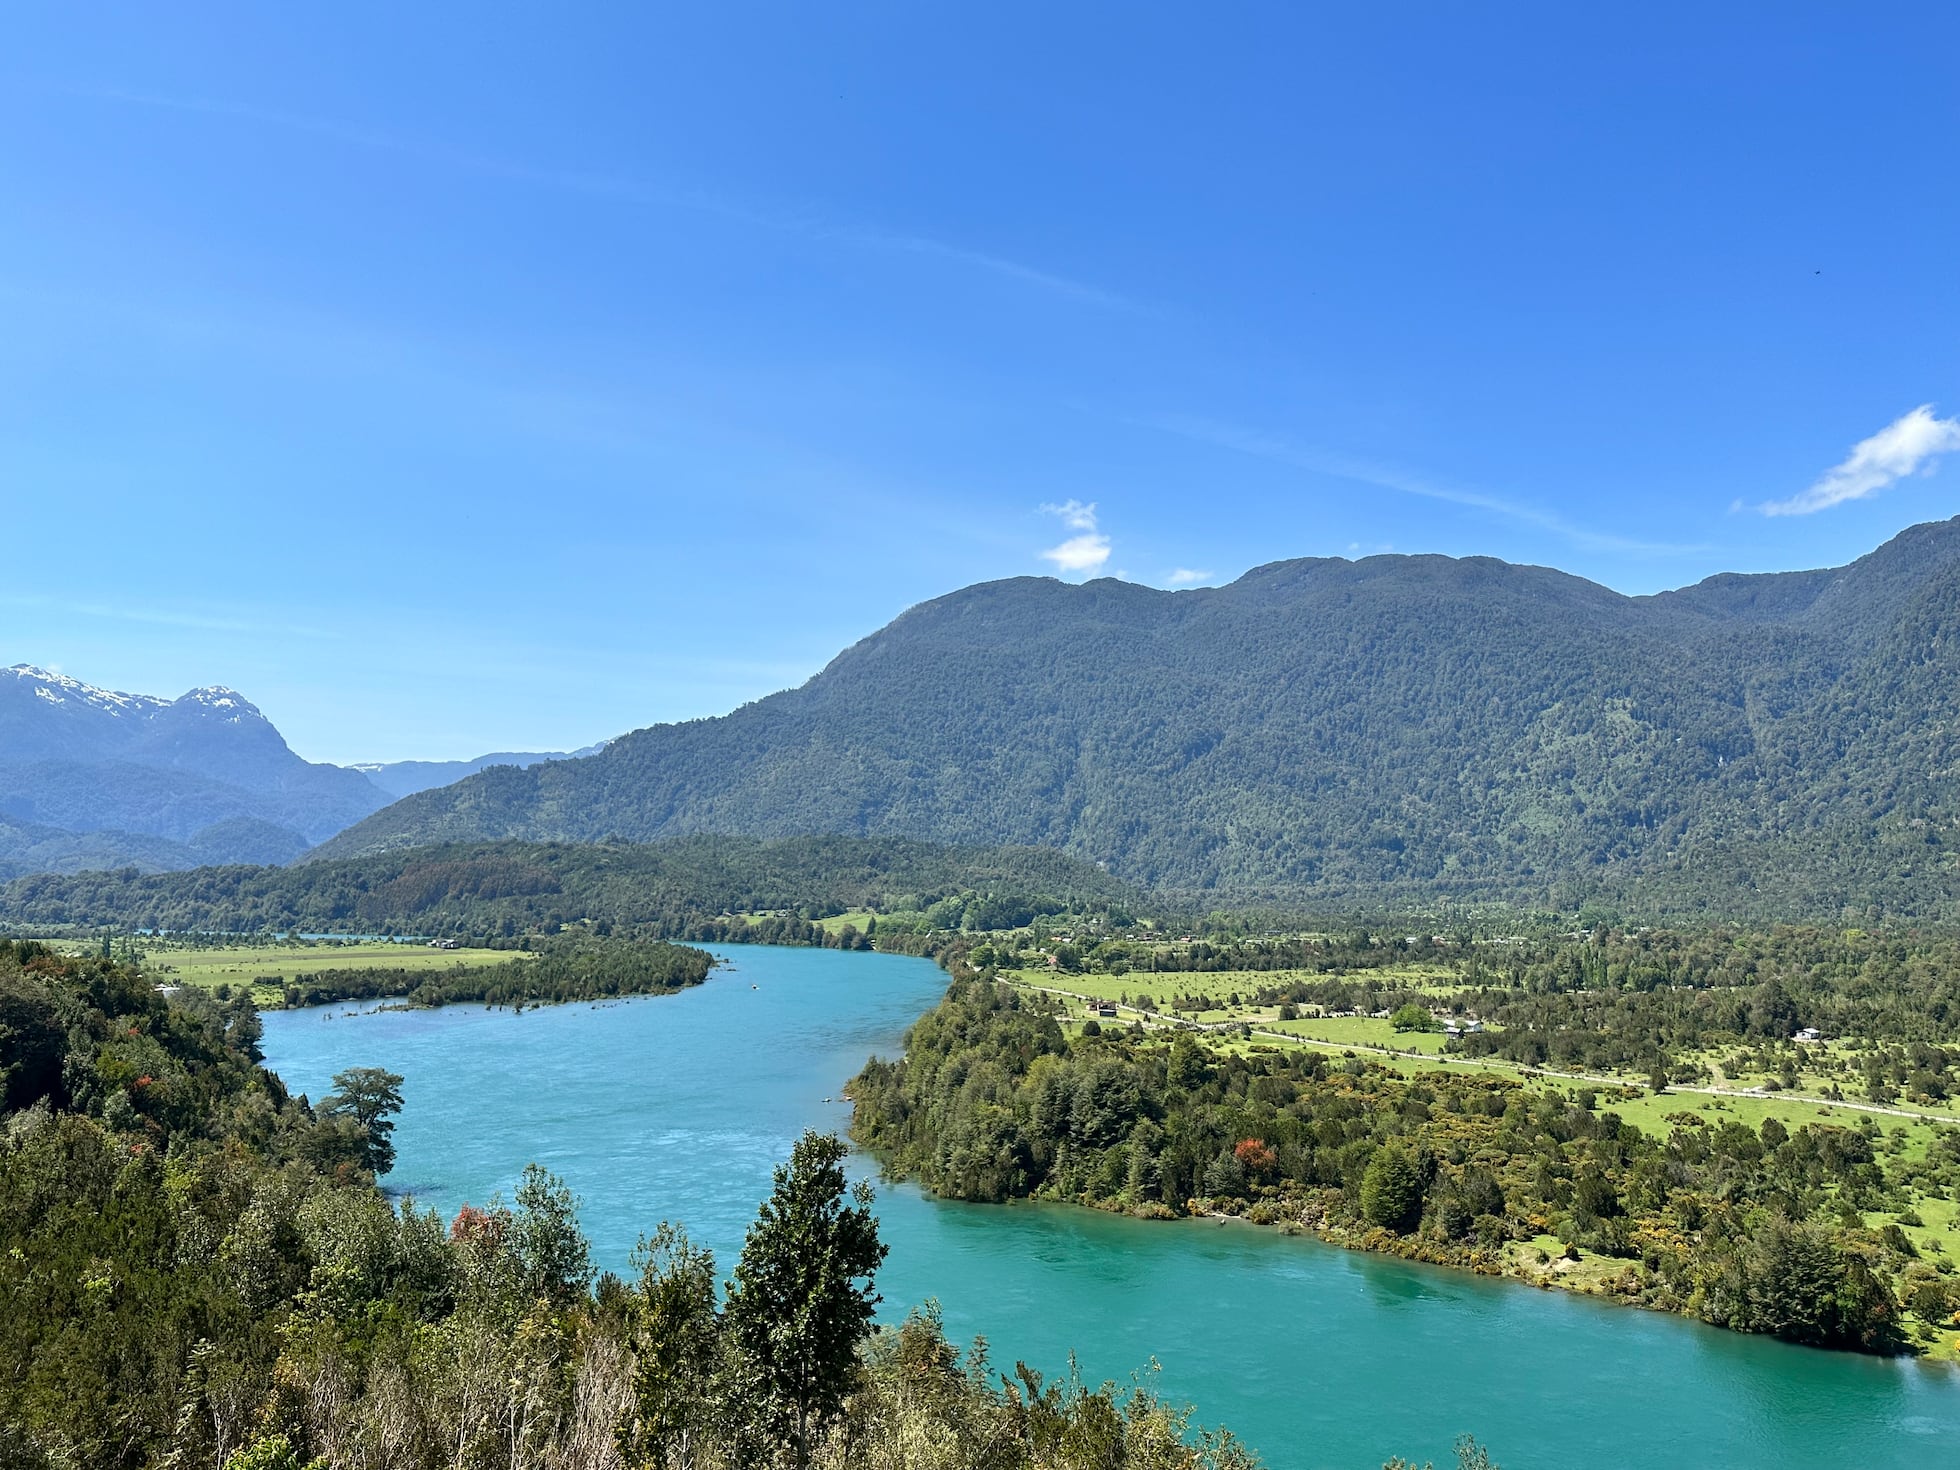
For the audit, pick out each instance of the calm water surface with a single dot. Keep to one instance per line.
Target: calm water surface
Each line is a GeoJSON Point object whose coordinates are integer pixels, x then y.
{"type": "Point", "coordinates": [679, 1106]}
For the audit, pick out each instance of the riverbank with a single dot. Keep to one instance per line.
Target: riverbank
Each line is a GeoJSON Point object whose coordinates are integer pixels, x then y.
{"type": "Point", "coordinates": [1795, 1230]}
{"type": "Point", "coordinates": [539, 972]}
{"type": "Point", "coordinates": [1544, 1261]}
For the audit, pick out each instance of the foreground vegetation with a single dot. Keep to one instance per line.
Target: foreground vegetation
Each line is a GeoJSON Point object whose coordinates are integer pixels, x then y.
{"type": "Point", "coordinates": [199, 1270]}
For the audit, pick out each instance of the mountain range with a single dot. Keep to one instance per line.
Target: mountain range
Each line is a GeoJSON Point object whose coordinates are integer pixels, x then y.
{"type": "Point", "coordinates": [91, 778]}
{"type": "Point", "coordinates": [405, 778]}
{"type": "Point", "coordinates": [1333, 729]}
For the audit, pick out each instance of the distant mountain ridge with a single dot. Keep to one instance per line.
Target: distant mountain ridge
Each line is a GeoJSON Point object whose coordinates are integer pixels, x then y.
{"type": "Point", "coordinates": [1399, 725]}
{"type": "Point", "coordinates": [96, 776]}
{"type": "Point", "coordinates": [405, 778]}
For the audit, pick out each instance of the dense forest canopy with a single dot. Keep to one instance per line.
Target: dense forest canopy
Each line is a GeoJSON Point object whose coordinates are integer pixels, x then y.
{"type": "Point", "coordinates": [517, 888]}
{"type": "Point", "coordinates": [1770, 745]}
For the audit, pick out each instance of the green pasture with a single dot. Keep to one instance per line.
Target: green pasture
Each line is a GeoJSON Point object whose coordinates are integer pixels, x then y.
{"type": "Point", "coordinates": [1643, 1109]}
{"type": "Point", "coordinates": [1359, 1031]}
{"type": "Point", "coordinates": [245, 964]}
{"type": "Point", "coordinates": [1650, 1111]}
{"type": "Point", "coordinates": [1219, 985]}
{"type": "Point", "coordinates": [1214, 986]}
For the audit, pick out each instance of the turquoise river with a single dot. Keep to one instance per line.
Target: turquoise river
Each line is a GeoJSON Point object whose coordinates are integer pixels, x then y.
{"type": "Point", "coordinates": [679, 1106]}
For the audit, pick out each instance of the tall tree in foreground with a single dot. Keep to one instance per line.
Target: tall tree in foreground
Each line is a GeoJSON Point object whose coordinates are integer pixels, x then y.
{"type": "Point", "coordinates": [544, 1233]}
{"type": "Point", "coordinates": [676, 1342]}
{"type": "Point", "coordinates": [371, 1097]}
{"type": "Point", "coordinates": [800, 1305]}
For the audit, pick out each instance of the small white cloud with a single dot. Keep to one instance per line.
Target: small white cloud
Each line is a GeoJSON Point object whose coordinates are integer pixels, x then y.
{"type": "Point", "coordinates": [1074, 514]}
{"type": "Point", "coordinates": [1186, 577]}
{"type": "Point", "coordinates": [1085, 553]}
{"type": "Point", "coordinates": [1908, 445]}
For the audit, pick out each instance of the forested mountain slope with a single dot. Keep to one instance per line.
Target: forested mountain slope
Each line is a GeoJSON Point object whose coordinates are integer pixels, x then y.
{"type": "Point", "coordinates": [1341, 729]}
{"type": "Point", "coordinates": [88, 773]}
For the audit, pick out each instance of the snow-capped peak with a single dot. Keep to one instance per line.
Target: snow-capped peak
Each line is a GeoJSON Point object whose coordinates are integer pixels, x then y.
{"type": "Point", "coordinates": [220, 700]}
{"type": "Point", "coordinates": [60, 689]}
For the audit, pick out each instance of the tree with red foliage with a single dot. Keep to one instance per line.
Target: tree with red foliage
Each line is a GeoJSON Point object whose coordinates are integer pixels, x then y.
{"type": "Point", "coordinates": [472, 1224]}
{"type": "Point", "coordinates": [1257, 1158]}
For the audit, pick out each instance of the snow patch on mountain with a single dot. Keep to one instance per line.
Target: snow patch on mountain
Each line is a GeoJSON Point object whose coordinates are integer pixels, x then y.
{"type": "Point", "coordinates": [60, 689]}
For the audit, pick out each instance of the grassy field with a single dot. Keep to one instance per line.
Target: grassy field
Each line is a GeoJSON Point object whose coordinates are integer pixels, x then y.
{"type": "Point", "coordinates": [1360, 1031]}
{"type": "Point", "coordinates": [1218, 986]}
{"type": "Point", "coordinates": [1728, 1066]}
{"type": "Point", "coordinates": [857, 918]}
{"type": "Point", "coordinates": [246, 964]}
{"type": "Point", "coordinates": [1649, 1112]}
{"type": "Point", "coordinates": [1125, 990]}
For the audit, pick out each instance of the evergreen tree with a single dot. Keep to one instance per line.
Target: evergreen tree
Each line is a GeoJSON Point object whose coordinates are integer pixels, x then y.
{"type": "Point", "coordinates": [800, 1305]}
{"type": "Point", "coordinates": [545, 1234]}
{"type": "Point", "coordinates": [370, 1097]}
{"type": "Point", "coordinates": [676, 1341]}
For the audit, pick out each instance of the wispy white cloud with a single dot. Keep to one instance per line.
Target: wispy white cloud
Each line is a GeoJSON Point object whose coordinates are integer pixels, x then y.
{"type": "Point", "coordinates": [627, 190]}
{"type": "Point", "coordinates": [1385, 477]}
{"type": "Point", "coordinates": [1910, 445]}
{"type": "Point", "coordinates": [1186, 577]}
{"type": "Point", "coordinates": [1074, 514]}
{"type": "Point", "coordinates": [999, 265]}
{"type": "Point", "coordinates": [165, 618]}
{"type": "Point", "coordinates": [1084, 553]}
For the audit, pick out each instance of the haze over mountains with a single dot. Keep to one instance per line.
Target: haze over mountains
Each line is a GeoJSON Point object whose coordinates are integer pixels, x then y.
{"type": "Point", "coordinates": [1337, 729]}
{"type": "Point", "coordinates": [91, 776]}
{"type": "Point", "coordinates": [94, 778]}
{"type": "Point", "coordinates": [405, 778]}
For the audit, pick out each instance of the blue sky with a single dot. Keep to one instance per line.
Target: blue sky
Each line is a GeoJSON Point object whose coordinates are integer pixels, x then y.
{"type": "Point", "coordinates": [457, 378]}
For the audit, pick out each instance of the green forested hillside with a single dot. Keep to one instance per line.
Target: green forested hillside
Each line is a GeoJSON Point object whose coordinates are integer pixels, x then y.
{"type": "Point", "coordinates": [514, 887]}
{"type": "Point", "coordinates": [1347, 731]}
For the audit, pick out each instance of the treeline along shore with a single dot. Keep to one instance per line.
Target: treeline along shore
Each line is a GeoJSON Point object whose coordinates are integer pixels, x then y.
{"type": "Point", "coordinates": [553, 973]}
{"type": "Point", "coordinates": [992, 1102]}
